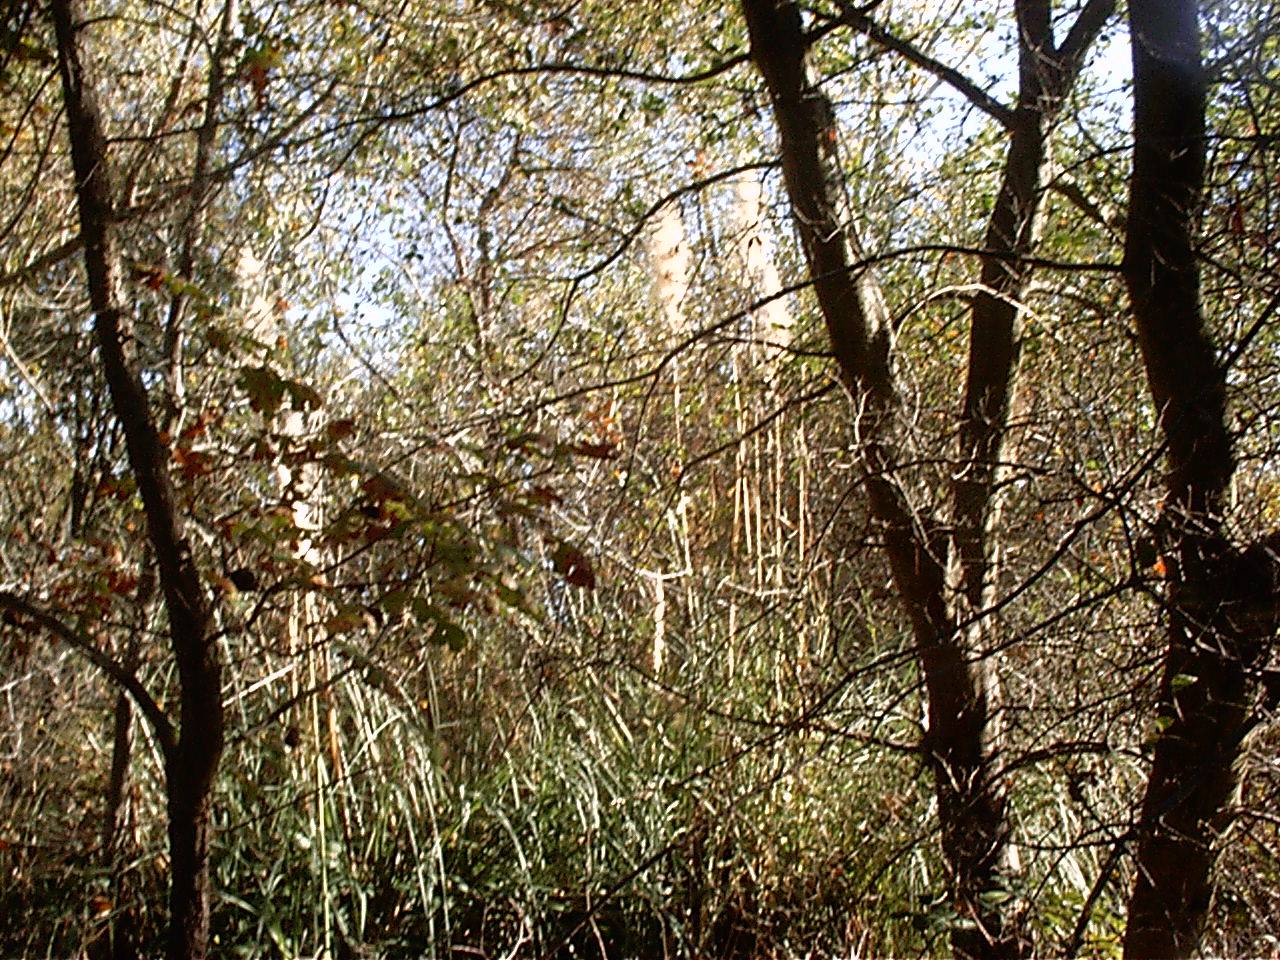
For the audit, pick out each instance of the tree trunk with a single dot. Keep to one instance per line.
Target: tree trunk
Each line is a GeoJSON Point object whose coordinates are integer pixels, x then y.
{"type": "Point", "coordinates": [971, 807]}
{"type": "Point", "coordinates": [189, 787]}
{"type": "Point", "coordinates": [192, 763]}
{"type": "Point", "coordinates": [1215, 638]}
{"type": "Point", "coordinates": [944, 571]}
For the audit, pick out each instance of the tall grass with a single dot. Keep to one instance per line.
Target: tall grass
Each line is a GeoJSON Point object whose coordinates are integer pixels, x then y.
{"type": "Point", "coordinates": [542, 794]}
{"type": "Point", "coordinates": [517, 799]}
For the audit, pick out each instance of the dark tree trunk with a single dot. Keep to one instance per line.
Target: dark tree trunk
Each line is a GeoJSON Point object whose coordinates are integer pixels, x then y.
{"type": "Point", "coordinates": [1214, 590]}
{"type": "Point", "coordinates": [189, 788]}
{"type": "Point", "coordinates": [943, 580]}
{"type": "Point", "coordinates": [192, 763]}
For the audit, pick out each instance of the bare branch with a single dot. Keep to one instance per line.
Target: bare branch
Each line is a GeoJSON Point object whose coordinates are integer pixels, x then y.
{"type": "Point", "coordinates": [1081, 36]}
{"type": "Point", "coordinates": [857, 18]}
{"type": "Point", "coordinates": [103, 661]}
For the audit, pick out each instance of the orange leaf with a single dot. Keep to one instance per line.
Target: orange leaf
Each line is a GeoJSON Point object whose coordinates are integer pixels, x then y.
{"type": "Point", "coordinates": [195, 431]}
{"type": "Point", "coordinates": [1236, 217]}
{"type": "Point", "coordinates": [121, 583]}
{"type": "Point", "coordinates": [256, 73]}
{"type": "Point", "coordinates": [544, 496]}
{"type": "Point", "coordinates": [150, 276]}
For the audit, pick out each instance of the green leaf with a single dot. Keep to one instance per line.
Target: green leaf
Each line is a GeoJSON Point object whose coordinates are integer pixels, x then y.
{"type": "Point", "coordinates": [513, 598]}
{"type": "Point", "coordinates": [445, 631]}
{"type": "Point", "coordinates": [423, 611]}
{"type": "Point", "coordinates": [346, 620]}
{"type": "Point", "coordinates": [448, 633]}
{"type": "Point", "coordinates": [339, 464]}
{"type": "Point", "coordinates": [396, 602]}
{"type": "Point", "coordinates": [220, 338]}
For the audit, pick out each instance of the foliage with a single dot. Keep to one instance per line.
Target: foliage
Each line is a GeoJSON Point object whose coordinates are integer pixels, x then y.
{"type": "Point", "coordinates": [554, 617]}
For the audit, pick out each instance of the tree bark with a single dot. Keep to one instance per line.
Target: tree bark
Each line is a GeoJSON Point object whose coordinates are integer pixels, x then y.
{"type": "Point", "coordinates": [944, 573]}
{"type": "Point", "coordinates": [191, 764]}
{"type": "Point", "coordinates": [1214, 591]}
{"type": "Point", "coordinates": [971, 811]}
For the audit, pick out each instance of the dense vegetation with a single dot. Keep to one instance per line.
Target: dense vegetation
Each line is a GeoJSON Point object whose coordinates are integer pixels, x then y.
{"type": "Point", "coordinates": [526, 479]}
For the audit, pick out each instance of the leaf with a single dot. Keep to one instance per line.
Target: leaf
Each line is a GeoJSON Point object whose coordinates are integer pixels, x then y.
{"type": "Point", "coordinates": [598, 451]}
{"type": "Point", "coordinates": [340, 429]}
{"type": "Point", "coordinates": [446, 631]}
{"type": "Point", "coordinates": [180, 286]}
{"type": "Point", "coordinates": [423, 611]}
{"type": "Point", "coordinates": [339, 465]}
{"type": "Point", "coordinates": [345, 621]}
{"type": "Point", "coordinates": [220, 338]}
{"type": "Point", "coordinates": [396, 602]}
{"type": "Point", "coordinates": [1236, 218]}
{"type": "Point", "coordinates": [514, 599]}
{"type": "Point", "coordinates": [121, 582]}
{"type": "Point", "coordinates": [192, 463]}
{"type": "Point", "coordinates": [449, 634]}
{"type": "Point", "coordinates": [264, 388]}
{"type": "Point", "coordinates": [544, 496]}
{"type": "Point", "coordinates": [530, 438]}
{"type": "Point", "coordinates": [149, 275]}
{"type": "Point", "coordinates": [302, 395]}
{"type": "Point", "coordinates": [22, 48]}
{"type": "Point", "coordinates": [457, 591]}
{"type": "Point", "coordinates": [572, 564]}
{"type": "Point", "coordinates": [258, 64]}
{"type": "Point", "coordinates": [194, 432]}
{"type": "Point", "coordinates": [1146, 552]}
{"type": "Point", "coordinates": [243, 579]}
{"type": "Point", "coordinates": [380, 488]}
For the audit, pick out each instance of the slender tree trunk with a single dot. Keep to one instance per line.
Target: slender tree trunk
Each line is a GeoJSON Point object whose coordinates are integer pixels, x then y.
{"type": "Point", "coordinates": [1220, 598]}
{"type": "Point", "coordinates": [191, 764]}
{"type": "Point", "coordinates": [944, 569]}
{"type": "Point", "coordinates": [971, 808]}
{"type": "Point", "coordinates": [117, 941]}
{"type": "Point", "coordinates": [118, 813]}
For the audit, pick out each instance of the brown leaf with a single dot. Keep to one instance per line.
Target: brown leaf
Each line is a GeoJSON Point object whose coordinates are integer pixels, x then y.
{"type": "Point", "coordinates": [600, 451]}
{"type": "Point", "coordinates": [340, 429]}
{"type": "Point", "coordinates": [572, 564]}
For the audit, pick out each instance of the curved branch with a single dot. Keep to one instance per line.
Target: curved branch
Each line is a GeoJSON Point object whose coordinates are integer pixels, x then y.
{"type": "Point", "coordinates": [103, 661]}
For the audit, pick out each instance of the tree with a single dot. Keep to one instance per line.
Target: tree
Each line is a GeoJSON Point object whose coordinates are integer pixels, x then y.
{"type": "Point", "coordinates": [192, 751]}
{"type": "Point", "coordinates": [673, 481]}
{"type": "Point", "coordinates": [943, 566]}
{"type": "Point", "coordinates": [1222, 613]}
